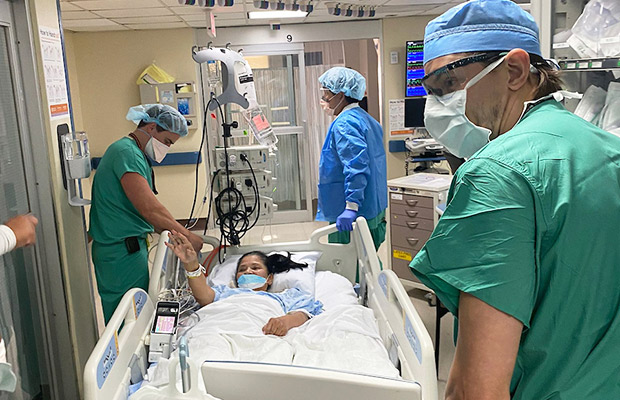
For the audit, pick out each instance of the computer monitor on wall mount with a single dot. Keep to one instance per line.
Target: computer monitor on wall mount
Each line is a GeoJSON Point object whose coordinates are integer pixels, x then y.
{"type": "Point", "coordinates": [414, 69]}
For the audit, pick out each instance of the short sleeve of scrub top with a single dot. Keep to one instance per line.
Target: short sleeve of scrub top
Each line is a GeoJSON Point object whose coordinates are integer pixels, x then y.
{"type": "Point", "coordinates": [128, 160]}
{"type": "Point", "coordinates": [484, 244]}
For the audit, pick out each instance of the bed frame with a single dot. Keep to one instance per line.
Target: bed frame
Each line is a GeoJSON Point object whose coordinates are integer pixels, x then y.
{"type": "Point", "coordinates": [119, 358]}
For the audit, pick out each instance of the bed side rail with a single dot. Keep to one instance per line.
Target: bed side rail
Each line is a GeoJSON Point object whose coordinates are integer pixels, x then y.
{"type": "Point", "coordinates": [107, 372]}
{"type": "Point", "coordinates": [157, 278]}
{"type": "Point", "coordinates": [301, 383]}
{"type": "Point", "coordinates": [415, 348]}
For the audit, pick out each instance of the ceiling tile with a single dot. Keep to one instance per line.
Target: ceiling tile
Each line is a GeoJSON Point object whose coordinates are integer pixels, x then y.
{"type": "Point", "coordinates": [127, 13]}
{"type": "Point", "coordinates": [68, 15]}
{"type": "Point", "coordinates": [166, 25]}
{"type": "Point", "coordinates": [438, 10]}
{"type": "Point", "coordinates": [117, 4]}
{"type": "Point", "coordinates": [88, 22]}
{"type": "Point", "coordinates": [229, 16]}
{"type": "Point", "coordinates": [189, 10]}
{"type": "Point", "coordinates": [69, 7]}
{"type": "Point", "coordinates": [193, 17]}
{"type": "Point", "coordinates": [412, 7]}
{"type": "Point", "coordinates": [224, 10]}
{"type": "Point", "coordinates": [98, 28]}
{"type": "Point", "coordinates": [147, 20]}
{"type": "Point", "coordinates": [222, 24]}
{"type": "Point", "coordinates": [170, 3]}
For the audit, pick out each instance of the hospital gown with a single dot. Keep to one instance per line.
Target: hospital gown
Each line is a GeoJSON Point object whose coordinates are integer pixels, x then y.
{"type": "Point", "coordinates": [290, 300]}
{"type": "Point", "coordinates": [532, 228]}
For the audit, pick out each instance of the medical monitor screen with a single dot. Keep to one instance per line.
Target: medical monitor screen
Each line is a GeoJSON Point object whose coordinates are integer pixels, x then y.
{"type": "Point", "coordinates": [414, 112]}
{"type": "Point", "coordinates": [166, 317]}
{"type": "Point", "coordinates": [165, 324]}
{"type": "Point", "coordinates": [415, 69]}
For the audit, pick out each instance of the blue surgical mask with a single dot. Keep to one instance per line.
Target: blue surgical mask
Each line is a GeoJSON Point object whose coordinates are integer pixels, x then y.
{"type": "Point", "coordinates": [251, 281]}
{"type": "Point", "coordinates": [445, 120]}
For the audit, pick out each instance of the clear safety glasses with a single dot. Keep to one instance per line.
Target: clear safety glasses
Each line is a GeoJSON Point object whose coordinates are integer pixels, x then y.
{"type": "Point", "coordinates": [324, 93]}
{"type": "Point", "coordinates": [454, 76]}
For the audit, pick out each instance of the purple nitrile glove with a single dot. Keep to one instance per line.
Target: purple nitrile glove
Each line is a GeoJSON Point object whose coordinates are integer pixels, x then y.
{"type": "Point", "coordinates": [344, 222]}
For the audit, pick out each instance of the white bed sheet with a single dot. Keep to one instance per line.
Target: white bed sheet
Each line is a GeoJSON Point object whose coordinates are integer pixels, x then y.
{"type": "Point", "coordinates": [344, 338]}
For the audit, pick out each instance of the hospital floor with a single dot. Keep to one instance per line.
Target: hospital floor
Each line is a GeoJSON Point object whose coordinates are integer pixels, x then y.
{"type": "Point", "coordinates": [302, 231]}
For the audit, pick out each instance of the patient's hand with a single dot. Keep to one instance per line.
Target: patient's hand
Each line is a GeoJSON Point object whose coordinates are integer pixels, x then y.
{"type": "Point", "coordinates": [281, 325]}
{"type": "Point", "coordinates": [183, 249]}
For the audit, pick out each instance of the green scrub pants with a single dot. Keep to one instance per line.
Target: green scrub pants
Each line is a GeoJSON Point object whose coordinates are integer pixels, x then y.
{"type": "Point", "coordinates": [117, 272]}
{"type": "Point", "coordinates": [377, 226]}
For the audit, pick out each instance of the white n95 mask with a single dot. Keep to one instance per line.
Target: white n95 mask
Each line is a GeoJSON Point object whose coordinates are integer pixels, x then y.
{"type": "Point", "coordinates": [251, 281]}
{"type": "Point", "coordinates": [445, 119]}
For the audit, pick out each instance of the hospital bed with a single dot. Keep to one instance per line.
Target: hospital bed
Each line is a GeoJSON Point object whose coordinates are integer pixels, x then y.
{"type": "Point", "coordinates": [120, 356]}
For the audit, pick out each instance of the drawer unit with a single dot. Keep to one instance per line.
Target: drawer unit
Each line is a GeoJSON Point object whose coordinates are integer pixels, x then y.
{"type": "Point", "coordinates": [412, 223]}
{"type": "Point", "coordinates": [413, 201]}
{"type": "Point", "coordinates": [412, 239]}
{"type": "Point", "coordinates": [412, 212]}
{"type": "Point", "coordinates": [401, 258]}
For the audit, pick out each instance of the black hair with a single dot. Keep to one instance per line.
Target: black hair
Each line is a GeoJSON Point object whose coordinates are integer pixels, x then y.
{"type": "Point", "coordinates": [275, 263]}
{"type": "Point", "coordinates": [350, 100]}
{"type": "Point", "coordinates": [159, 128]}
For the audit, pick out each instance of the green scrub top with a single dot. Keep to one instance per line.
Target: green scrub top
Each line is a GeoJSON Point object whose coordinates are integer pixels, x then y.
{"type": "Point", "coordinates": [112, 215]}
{"type": "Point", "coordinates": [532, 228]}
{"type": "Point", "coordinates": [112, 219]}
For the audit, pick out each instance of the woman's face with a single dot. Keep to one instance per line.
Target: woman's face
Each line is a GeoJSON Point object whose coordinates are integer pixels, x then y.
{"type": "Point", "coordinates": [253, 264]}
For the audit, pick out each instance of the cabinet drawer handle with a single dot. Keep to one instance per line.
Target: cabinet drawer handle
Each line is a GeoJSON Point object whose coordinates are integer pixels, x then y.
{"type": "Point", "coordinates": [412, 225]}
{"type": "Point", "coordinates": [412, 213]}
{"type": "Point", "coordinates": [412, 203]}
{"type": "Point", "coordinates": [413, 241]}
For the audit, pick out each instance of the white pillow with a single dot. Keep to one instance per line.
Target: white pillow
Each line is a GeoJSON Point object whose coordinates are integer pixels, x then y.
{"type": "Point", "coordinates": [333, 290]}
{"type": "Point", "coordinates": [224, 274]}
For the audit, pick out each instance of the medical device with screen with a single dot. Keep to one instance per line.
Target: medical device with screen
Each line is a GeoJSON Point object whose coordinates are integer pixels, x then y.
{"type": "Point", "coordinates": [166, 317]}
{"type": "Point", "coordinates": [415, 69]}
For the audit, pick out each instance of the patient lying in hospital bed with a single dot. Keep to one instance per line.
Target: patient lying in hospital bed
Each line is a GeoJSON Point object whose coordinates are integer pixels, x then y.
{"type": "Point", "coordinates": [247, 323]}
{"type": "Point", "coordinates": [254, 274]}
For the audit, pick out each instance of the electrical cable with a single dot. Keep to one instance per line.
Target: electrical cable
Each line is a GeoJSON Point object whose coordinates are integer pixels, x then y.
{"type": "Point", "coordinates": [234, 220]}
{"type": "Point", "coordinates": [202, 141]}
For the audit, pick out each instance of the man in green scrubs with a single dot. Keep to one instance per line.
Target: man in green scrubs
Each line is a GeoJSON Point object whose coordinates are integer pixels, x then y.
{"type": "Point", "coordinates": [124, 209]}
{"type": "Point", "coordinates": [527, 252]}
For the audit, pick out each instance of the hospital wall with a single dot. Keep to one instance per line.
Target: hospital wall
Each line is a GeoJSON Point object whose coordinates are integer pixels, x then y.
{"type": "Point", "coordinates": [77, 301]}
{"type": "Point", "coordinates": [396, 32]}
{"type": "Point", "coordinates": [103, 69]}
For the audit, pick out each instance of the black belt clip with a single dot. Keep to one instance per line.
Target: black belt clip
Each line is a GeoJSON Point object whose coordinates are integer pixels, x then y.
{"type": "Point", "coordinates": [132, 244]}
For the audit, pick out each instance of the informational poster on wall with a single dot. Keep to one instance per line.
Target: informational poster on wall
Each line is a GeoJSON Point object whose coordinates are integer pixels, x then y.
{"type": "Point", "coordinates": [54, 70]}
{"type": "Point", "coordinates": [397, 118]}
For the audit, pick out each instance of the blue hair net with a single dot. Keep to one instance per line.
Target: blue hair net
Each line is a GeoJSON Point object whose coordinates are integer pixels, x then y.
{"type": "Point", "coordinates": [164, 116]}
{"type": "Point", "coordinates": [345, 80]}
{"type": "Point", "coordinates": [481, 25]}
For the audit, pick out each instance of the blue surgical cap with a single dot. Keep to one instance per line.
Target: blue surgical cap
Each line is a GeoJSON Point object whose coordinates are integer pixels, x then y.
{"type": "Point", "coordinates": [164, 116]}
{"type": "Point", "coordinates": [345, 80]}
{"type": "Point", "coordinates": [481, 25]}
